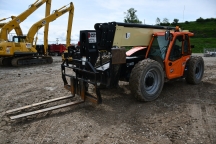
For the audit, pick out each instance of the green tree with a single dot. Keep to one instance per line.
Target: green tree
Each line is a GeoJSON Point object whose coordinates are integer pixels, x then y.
{"type": "Point", "coordinates": [158, 21]}
{"type": "Point", "coordinates": [175, 21]}
{"type": "Point", "coordinates": [165, 20]}
{"type": "Point", "coordinates": [131, 16]}
{"type": "Point", "coordinates": [200, 19]}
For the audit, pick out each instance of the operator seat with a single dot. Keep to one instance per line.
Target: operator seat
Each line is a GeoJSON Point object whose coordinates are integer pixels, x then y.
{"type": "Point", "coordinates": [175, 53]}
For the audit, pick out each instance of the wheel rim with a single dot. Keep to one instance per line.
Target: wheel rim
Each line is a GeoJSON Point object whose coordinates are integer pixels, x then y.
{"type": "Point", "coordinates": [151, 81]}
{"type": "Point", "coordinates": [198, 71]}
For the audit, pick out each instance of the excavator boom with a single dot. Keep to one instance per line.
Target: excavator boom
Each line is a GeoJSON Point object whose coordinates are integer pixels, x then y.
{"type": "Point", "coordinates": [57, 13]}
{"type": "Point", "coordinates": [4, 19]}
{"type": "Point", "coordinates": [2, 24]}
{"type": "Point", "coordinates": [69, 28]}
{"type": "Point", "coordinates": [18, 29]}
{"type": "Point", "coordinates": [46, 28]}
{"type": "Point", "coordinates": [14, 23]}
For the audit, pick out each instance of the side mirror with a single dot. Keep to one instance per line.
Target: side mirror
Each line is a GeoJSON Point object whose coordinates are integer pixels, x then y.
{"type": "Point", "coordinates": [192, 46]}
{"type": "Point", "coordinates": [167, 34]}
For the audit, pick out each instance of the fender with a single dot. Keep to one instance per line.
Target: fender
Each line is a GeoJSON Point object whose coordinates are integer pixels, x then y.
{"type": "Point", "coordinates": [133, 50]}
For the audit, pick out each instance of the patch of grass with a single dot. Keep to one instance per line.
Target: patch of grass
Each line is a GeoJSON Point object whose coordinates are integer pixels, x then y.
{"type": "Point", "coordinates": [200, 29]}
{"type": "Point", "coordinates": [201, 43]}
{"type": "Point", "coordinates": [204, 34]}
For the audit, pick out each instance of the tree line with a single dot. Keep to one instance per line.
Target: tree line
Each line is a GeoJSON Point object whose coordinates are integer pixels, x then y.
{"type": "Point", "coordinates": [131, 17]}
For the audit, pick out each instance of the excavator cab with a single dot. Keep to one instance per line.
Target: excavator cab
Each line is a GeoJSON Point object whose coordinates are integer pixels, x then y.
{"type": "Point", "coordinates": [18, 39]}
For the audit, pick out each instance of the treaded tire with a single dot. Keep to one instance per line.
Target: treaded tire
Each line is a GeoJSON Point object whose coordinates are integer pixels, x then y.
{"type": "Point", "coordinates": [195, 70]}
{"type": "Point", "coordinates": [146, 80]}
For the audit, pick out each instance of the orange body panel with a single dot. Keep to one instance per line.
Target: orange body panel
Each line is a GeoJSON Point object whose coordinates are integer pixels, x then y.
{"type": "Point", "coordinates": [177, 68]}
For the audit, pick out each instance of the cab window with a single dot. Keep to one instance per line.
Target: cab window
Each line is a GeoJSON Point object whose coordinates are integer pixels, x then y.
{"type": "Point", "coordinates": [186, 45]}
{"type": "Point", "coordinates": [176, 51]}
{"type": "Point", "coordinates": [159, 47]}
{"type": "Point", "coordinates": [16, 39]}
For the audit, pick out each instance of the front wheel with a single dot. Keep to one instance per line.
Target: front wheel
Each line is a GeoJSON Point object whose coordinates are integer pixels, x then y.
{"type": "Point", "coordinates": [146, 80]}
{"type": "Point", "coordinates": [195, 70]}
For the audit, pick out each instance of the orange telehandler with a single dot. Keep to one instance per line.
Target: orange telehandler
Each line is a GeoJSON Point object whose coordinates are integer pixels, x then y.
{"type": "Point", "coordinates": [12, 50]}
{"type": "Point", "coordinates": [158, 53]}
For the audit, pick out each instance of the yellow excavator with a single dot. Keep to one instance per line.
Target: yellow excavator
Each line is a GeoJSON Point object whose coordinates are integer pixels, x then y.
{"type": "Point", "coordinates": [10, 50]}
{"type": "Point", "coordinates": [26, 42]}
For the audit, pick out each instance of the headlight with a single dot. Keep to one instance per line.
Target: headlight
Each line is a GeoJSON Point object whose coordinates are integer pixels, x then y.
{"type": "Point", "coordinates": [83, 60]}
{"type": "Point", "coordinates": [8, 50]}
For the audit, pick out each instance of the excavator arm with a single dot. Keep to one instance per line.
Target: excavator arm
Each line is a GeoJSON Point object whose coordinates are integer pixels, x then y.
{"type": "Point", "coordinates": [46, 28]}
{"type": "Point", "coordinates": [17, 29]}
{"type": "Point", "coordinates": [2, 24]}
{"type": "Point", "coordinates": [4, 19]}
{"type": "Point", "coordinates": [69, 28]}
{"type": "Point", "coordinates": [57, 13]}
{"type": "Point", "coordinates": [14, 23]}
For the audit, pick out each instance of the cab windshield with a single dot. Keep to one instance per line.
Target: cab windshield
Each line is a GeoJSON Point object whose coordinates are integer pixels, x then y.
{"type": "Point", "coordinates": [159, 47]}
{"type": "Point", "coordinates": [17, 39]}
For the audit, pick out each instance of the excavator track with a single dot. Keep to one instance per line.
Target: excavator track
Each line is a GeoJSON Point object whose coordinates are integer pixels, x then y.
{"type": "Point", "coordinates": [1, 61]}
{"type": "Point", "coordinates": [31, 60]}
{"type": "Point", "coordinates": [5, 61]}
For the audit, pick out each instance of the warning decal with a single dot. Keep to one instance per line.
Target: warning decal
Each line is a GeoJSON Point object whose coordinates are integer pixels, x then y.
{"type": "Point", "coordinates": [92, 37]}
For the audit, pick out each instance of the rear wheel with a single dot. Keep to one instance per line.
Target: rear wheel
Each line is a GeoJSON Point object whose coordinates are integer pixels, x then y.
{"type": "Point", "coordinates": [195, 70]}
{"type": "Point", "coordinates": [146, 80]}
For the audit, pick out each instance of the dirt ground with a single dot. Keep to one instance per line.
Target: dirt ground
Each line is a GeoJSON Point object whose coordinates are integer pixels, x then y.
{"type": "Point", "coordinates": [182, 114]}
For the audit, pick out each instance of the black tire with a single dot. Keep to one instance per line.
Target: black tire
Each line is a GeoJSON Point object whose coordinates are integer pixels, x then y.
{"type": "Point", "coordinates": [158, 59]}
{"type": "Point", "coordinates": [195, 70]}
{"type": "Point", "coordinates": [146, 80]}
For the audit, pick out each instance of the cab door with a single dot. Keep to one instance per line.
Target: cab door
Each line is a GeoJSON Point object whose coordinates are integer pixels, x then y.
{"type": "Point", "coordinates": [174, 62]}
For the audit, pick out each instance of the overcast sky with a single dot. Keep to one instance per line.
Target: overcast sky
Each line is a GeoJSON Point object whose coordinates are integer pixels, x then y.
{"type": "Point", "coordinates": [89, 12]}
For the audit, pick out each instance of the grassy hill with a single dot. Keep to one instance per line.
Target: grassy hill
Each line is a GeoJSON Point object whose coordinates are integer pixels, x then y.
{"type": "Point", "coordinates": [201, 43]}
{"type": "Point", "coordinates": [204, 33]}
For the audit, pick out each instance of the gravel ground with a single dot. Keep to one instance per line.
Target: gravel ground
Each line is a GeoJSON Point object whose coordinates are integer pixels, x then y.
{"type": "Point", "coordinates": [182, 114]}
